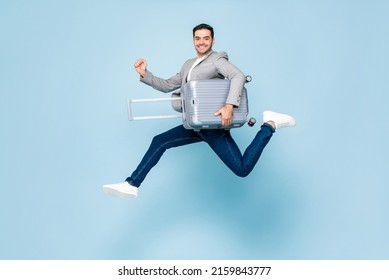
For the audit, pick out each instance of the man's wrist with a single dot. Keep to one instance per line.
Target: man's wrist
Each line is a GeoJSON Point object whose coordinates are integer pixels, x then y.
{"type": "Point", "coordinates": [142, 75]}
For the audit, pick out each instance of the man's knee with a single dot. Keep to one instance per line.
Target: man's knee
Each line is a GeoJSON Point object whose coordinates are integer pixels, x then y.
{"type": "Point", "coordinates": [242, 173]}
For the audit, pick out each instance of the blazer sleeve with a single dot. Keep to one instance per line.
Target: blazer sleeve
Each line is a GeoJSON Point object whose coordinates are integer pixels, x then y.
{"type": "Point", "coordinates": [160, 84]}
{"type": "Point", "coordinates": [236, 77]}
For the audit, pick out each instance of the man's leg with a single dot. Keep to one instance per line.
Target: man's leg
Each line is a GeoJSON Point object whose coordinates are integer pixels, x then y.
{"type": "Point", "coordinates": [225, 147]}
{"type": "Point", "coordinates": [174, 137]}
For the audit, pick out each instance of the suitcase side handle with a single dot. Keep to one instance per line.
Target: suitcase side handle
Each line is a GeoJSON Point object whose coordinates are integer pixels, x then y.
{"type": "Point", "coordinates": [132, 118]}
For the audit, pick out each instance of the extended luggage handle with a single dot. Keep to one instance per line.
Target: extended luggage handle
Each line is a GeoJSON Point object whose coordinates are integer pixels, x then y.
{"type": "Point", "coordinates": [132, 118]}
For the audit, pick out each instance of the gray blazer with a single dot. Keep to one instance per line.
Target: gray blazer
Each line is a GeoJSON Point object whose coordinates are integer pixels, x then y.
{"type": "Point", "coordinates": [214, 66]}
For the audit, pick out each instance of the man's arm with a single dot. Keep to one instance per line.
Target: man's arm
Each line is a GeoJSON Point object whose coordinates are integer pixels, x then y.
{"type": "Point", "coordinates": [237, 79]}
{"type": "Point", "coordinates": [157, 83]}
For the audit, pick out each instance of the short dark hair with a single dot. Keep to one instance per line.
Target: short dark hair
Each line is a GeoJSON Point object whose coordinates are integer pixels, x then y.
{"type": "Point", "coordinates": [203, 26]}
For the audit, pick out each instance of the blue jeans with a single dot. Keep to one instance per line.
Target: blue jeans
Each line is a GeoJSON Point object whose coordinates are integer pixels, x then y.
{"type": "Point", "coordinates": [219, 140]}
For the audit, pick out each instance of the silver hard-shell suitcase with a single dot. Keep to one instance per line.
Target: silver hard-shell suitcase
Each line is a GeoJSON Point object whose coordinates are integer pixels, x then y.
{"type": "Point", "coordinates": [203, 98]}
{"type": "Point", "coordinates": [199, 101]}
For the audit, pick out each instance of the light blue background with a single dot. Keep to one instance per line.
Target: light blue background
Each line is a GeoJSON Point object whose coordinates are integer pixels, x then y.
{"type": "Point", "coordinates": [320, 190]}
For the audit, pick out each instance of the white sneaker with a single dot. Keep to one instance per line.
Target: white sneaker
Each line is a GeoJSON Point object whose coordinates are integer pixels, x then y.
{"type": "Point", "coordinates": [280, 120]}
{"type": "Point", "coordinates": [123, 189]}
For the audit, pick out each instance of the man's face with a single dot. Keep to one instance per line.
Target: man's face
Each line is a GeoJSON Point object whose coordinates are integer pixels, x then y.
{"type": "Point", "coordinates": [203, 42]}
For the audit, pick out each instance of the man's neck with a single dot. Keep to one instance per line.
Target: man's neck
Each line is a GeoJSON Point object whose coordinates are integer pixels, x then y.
{"type": "Point", "coordinates": [201, 55]}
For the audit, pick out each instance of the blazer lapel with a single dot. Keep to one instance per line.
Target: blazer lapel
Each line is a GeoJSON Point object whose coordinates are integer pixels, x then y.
{"type": "Point", "coordinates": [185, 72]}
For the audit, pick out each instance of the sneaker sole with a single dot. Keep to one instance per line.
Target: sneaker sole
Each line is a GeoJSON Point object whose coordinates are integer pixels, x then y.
{"type": "Point", "coordinates": [116, 193]}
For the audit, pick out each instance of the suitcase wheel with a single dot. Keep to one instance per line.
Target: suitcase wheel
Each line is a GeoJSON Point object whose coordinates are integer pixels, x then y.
{"type": "Point", "coordinates": [251, 122]}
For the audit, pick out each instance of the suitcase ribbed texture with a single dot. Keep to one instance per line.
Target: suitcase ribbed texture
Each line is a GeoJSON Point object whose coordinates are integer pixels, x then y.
{"type": "Point", "coordinates": [203, 98]}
